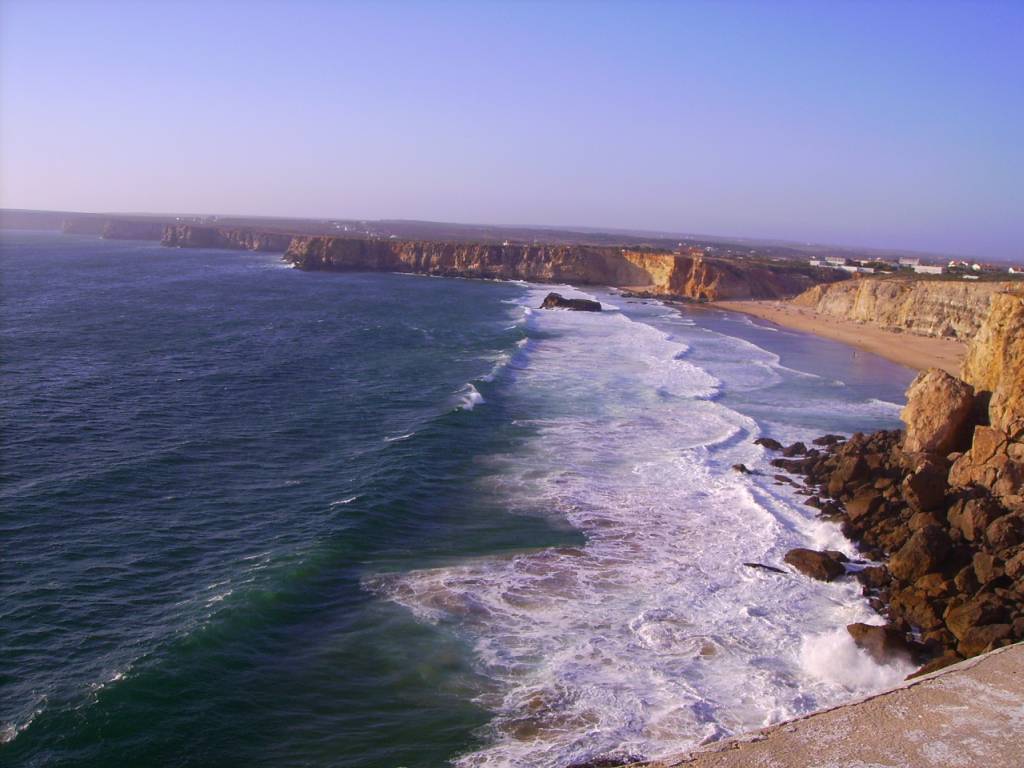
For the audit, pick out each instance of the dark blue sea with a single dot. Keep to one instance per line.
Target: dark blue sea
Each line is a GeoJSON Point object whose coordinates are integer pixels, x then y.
{"type": "Point", "coordinates": [253, 516]}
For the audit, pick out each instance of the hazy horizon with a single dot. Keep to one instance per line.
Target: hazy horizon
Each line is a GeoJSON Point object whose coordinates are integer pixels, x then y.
{"type": "Point", "coordinates": [858, 125]}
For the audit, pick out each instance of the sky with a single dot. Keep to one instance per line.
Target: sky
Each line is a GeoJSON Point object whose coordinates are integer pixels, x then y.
{"type": "Point", "coordinates": [888, 124]}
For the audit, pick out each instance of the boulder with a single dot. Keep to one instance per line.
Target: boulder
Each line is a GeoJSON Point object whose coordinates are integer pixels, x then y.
{"type": "Point", "coordinates": [1005, 532]}
{"type": "Point", "coordinates": [987, 567]}
{"type": "Point", "coordinates": [873, 577]}
{"type": "Point", "coordinates": [972, 516]}
{"type": "Point", "coordinates": [883, 644]}
{"type": "Point", "coordinates": [961, 615]}
{"type": "Point", "coordinates": [796, 449]}
{"type": "Point", "coordinates": [941, 662]}
{"type": "Point", "coordinates": [925, 488]}
{"type": "Point", "coordinates": [769, 443]}
{"type": "Point", "coordinates": [978, 639]}
{"type": "Point", "coordinates": [823, 566]}
{"type": "Point", "coordinates": [866, 502]}
{"type": "Point", "coordinates": [557, 301]}
{"type": "Point", "coordinates": [921, 554]}
{"type": "Point", "coordinates": [1015, 566]}
{"type": "Point", "coordinates": [966, 580]}
{"type": "Point", "coordinates": [938, 413]}
{"type": "Point", "coordinates": [828, 440]}
{"type": "Point", "coordinates": [848, 470]}
{"type": "Point", "coordinates": [914, 607]}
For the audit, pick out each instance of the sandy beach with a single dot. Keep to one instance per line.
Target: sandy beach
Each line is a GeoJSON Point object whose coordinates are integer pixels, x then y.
{"type": "Point", "coordinates": [908, 349]}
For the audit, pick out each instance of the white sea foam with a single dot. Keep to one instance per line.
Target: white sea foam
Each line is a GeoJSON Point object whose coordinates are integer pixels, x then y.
{"type": "Point", "coordinates": [398, 438]}
{"type": "Point", "coordinates": [653, 636]}
{"type": "Point", "coordinates": [467, 398]}
{"type": "Point", "coordinates": [346, 500]}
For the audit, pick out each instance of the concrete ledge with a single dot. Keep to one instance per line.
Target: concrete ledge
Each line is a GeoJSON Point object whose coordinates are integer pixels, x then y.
{"type": "Point", "coordinates": [969, 714]}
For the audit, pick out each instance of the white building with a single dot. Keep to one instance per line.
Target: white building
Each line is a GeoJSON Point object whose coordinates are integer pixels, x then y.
{"type": "Point", "coordinates": [907, 261]}
{"type": "Point", "coordinates": [927, 269]}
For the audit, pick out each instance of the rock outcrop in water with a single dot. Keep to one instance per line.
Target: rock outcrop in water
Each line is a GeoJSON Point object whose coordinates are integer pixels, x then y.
{"type": "Point", "coordinates": [660, 274]}
{"type": "Point", "coordinates": [558, 301]}
{"type": "Point", "coordinates": [947, 308]}
{"type": "Point", "coordinates": [949, 523]}
{"type": "Point", "coordinates": [198, 236]}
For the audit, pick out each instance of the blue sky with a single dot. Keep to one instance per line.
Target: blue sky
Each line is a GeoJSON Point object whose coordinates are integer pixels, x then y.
{"type": "Point", "coordinates": [879, 124]}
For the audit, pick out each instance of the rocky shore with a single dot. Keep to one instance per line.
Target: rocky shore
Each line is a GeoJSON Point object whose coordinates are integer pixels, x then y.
{"type": "Point", "coordinates": [936, 509]}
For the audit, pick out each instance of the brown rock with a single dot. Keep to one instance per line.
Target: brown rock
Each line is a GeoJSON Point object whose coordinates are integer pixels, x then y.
{"type": "Point", "coordinates": [938, 413]}
{"type": "Point", "coordinates": [914, 607]}
{"type": "Point", "coordinates": [828, 440]}
{"type": "Point", "coordinates": [925, 489]}
{"type": "Point", "coordinates": [883, 644]}
{"type": "Point", "coordinates": [1005, 532]}
{"type": "Point", "coordinates": [978, 611]}
{"type": "Point", "coordinates": [923, 553]}
{"type": "Point", "coordinates": [966, 580]}
{"type": "Point", "coordinates": [973, 515]}
{"type": "Point", "coordinates": [769, 443]}
{"type": "Point", "coordinates": [987, 567]}
{"type": "Point", "coordinates": [557, 301]}
{"type": "Point", "coordinates": [824, 566]}
{"type": "Point", "coordinates": [873, 577]}
{"type": "Point", "coordinates": [796, 449]}
{"type": "Point", "coordinates": [849, 469]}
{"type": "Point", "coordinates": [995, 359]}
{"type": "Point", "coordinates": [865, 502]}
{"type": "Point", "coordinates": [922, 519]}
{"type": "Point", "coordinates": [943, 661]}
{"type": "Point", "coordinates": [1015, 565]}
{"type": "Point", "coordinates": [978, 639]}
{"type": "Point", "coordinates": [933, 585]}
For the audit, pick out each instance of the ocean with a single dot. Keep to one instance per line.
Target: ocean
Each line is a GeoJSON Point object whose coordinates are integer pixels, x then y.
{"type": "Point", "coordinates": [259, 517]}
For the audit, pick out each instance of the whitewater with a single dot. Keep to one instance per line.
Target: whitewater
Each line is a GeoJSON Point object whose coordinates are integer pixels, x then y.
{"type": "Point", "coordinates": [653, 636]}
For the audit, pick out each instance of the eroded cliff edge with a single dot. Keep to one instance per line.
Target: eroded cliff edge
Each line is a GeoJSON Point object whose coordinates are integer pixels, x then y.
{"type": "Point", "coordinates": [242, 239]}
{"type": "Point", "coordinates": [945, 308]}
{"type": "Point", "coordinates": [941, 503]}
{"type": "Point", "coordinates": [662, 274]}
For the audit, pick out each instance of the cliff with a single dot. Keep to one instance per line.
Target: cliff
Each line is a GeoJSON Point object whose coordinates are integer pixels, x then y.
{"type": "Point", "coordinates": [663, 274]}
{"type": "Point", "coordinates": [130, 229]}
{"type": "Point", "coordinates": [927, 307]}
{"type": "Point", "coordinates": [242, 239]}
{"type": "Point", "coordinates": [942, 502]}
{"type": "Point", "coordinates": [995, 359]}
{"type": "Point", "coordinates": [83, 226]}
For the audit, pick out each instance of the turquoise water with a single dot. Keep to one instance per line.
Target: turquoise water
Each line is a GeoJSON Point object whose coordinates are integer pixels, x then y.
{"type": "Point", "coordinates": [253, 516]}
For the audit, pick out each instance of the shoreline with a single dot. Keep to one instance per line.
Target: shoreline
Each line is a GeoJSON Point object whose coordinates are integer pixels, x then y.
{"type": "Point", "coordinates": [908, 349]}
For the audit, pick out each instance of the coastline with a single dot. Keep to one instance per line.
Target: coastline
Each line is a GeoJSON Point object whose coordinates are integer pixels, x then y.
{"type": "Point", "coordinates": [911, 350]}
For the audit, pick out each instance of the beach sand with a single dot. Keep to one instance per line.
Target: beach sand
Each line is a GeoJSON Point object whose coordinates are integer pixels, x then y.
{"type": "Point", "coordinates": [908, 349]}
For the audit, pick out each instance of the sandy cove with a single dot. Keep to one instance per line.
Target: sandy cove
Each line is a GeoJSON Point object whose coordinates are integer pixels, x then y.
{"type": "Point", "coordinates": [911, 350]}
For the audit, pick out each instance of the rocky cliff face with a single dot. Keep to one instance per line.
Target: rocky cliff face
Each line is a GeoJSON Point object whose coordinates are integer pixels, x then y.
{"type": "Point", "coordinates": [83, 226]}
{"type": "Point", "coordinates": [663, 274]}
{"type": "Point", "coordinates": [995, 360]}
{"type": "Point", "coordinates": [928, 307]}
{"type": "Point", "coordinates": [128, 229]}
{"type": "Point", "coordinates": [942, 502]}
{"type": "Point", "coordinates": [194, 236]}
